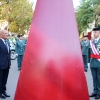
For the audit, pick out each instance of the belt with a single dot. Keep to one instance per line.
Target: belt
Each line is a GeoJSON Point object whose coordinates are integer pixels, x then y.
{"type": "Point", "coordinates": [95, 56]}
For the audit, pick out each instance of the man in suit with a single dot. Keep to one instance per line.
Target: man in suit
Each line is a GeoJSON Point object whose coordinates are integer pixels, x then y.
{"type": "Point", "coordinates": [5, 62]}
{"type": "Point", "coordinates": [20, 48]}
{"type": "Point", "coordinates": [85, 49]}
{"type": "Point", "coordinates": [95, 62]}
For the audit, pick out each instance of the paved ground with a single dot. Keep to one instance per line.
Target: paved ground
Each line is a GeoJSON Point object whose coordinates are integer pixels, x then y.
{"type": "Point", "coordinates": [89, 82]}
{"type": "Point", "coordinates": [14, 74]}
{"type": "Point", "coordinates": [12, 80]}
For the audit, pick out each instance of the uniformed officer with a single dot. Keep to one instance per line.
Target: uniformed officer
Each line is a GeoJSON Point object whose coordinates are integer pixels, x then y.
{"type": "Point", "coordinates": [95, 62]}
{"type": "Point", "coordinates": [85, 49]}
{"type": "Point", "coordinates": [20, 48]}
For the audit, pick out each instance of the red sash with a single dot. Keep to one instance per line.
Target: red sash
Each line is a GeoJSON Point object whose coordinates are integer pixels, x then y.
{"type": "Point", "coordinates": [95, 56]}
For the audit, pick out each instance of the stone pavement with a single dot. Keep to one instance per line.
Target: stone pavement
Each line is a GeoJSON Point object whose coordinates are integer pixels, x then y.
{"type": "Point", "coordinates": [14, 74]}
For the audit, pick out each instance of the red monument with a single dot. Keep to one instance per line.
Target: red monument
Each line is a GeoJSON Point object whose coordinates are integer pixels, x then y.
{"type": "Point", "coordinates": [52, 67]}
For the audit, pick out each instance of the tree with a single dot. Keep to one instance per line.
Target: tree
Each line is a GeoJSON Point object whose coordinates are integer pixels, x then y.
{"type": "Point", "coordinates": [84, 15]}
{"type": "Point", "coordinates": [18, 13]}
{"type": "Point", "coordinates": [87, 13]}
{"type": "Point", "coordinates": [97, 15]}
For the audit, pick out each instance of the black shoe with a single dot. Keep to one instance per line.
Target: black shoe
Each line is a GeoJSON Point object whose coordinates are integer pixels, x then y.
{"type": "Point", "coordinates": [97, 97]}
{"type": "Point", "coordinates": [6, 95]}
{"type": "Point", "coordinates": [2, 96]}
{"type": "Point", "coordinates": [92, 95]}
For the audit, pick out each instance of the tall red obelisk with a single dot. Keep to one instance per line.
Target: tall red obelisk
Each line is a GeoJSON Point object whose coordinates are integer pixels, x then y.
{"type": "Point", "coordinates": [52, 67]}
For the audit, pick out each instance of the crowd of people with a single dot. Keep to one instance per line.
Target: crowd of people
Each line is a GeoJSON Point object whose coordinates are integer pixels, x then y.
{"type": "Point", "coordinates": [91, 54]}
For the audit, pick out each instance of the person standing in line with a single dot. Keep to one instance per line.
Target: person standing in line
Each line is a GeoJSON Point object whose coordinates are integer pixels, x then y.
{"type": "Point", "coordinates": [5, 62]}
{"type": "Point", "coordinates": [95, 62]}
{"type": "Point", "coordinates": [20, 48]}
{"type": "Point", "coordinates": [85, 49]}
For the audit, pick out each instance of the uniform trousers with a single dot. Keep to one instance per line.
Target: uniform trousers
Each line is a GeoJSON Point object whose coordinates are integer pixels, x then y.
{"type": "Point", "coordinates": [85, 61]}
{"type": "Point", "coordinates": [96, 79]}
{"type": "Point", "coordinates": [19, 61]}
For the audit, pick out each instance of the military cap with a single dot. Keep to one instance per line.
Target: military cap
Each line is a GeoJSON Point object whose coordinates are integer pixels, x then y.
{"type": "Point", "coordinates": [18, 35]}
{"type": "Point", "coordinates": [21, 35]}
{"type": "Point", "coordinates": [96, 29]}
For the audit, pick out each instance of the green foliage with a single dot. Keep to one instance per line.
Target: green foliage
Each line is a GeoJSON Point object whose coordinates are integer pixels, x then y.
{"type": "Point", "coordinates": [18, 13]}
{"type": "Point", "coordinates": [97, 15]}
{"type": "Point", "coordinates": [14, 27]}
{"type": "Point", "coordinates": [86, 13]}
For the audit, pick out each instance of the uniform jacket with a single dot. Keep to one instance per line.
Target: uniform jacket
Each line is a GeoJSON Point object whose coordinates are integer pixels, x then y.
{"type": "Point", "coordinates": [95, 63]}
{"type": "Point", "coordinates": [5, 61]}
{"type": "Point", "coordinates": [85, 47]}
{"type": "Point", "coordinates": [20, 46]}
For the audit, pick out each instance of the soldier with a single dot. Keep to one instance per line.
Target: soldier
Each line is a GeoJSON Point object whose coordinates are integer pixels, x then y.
{"type": "Point", "coordinates": [85, 50]}
{"type": "Point", "coordinates": [95, 62]}
{"type": "Point", "coordinates": [20, 48]}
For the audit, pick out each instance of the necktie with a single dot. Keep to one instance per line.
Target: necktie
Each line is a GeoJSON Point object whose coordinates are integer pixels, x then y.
{"type": "Point", "coordinates": [6, 44]}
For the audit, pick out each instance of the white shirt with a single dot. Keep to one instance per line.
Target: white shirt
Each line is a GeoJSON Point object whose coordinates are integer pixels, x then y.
{"type": "Point", "coordinates": [85, 41]}
{"type": "Point", "coordinates": [3, 40]}
{"type": "Point", "coordinates": [96, 40]}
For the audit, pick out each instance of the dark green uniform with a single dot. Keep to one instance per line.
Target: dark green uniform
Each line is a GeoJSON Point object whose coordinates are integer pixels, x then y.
{"type": "Point", "coordinates": [95, 69]}
{"type": "Point", "coordinates": [20, 48]}
{"type": "Point", "coordinates": [85, 49]}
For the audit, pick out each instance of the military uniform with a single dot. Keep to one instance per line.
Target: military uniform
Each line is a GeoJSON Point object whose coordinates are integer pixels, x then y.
{"type": "Point", "coordinates": [20, 48]}
{"type": "Point", "coordinates": [95, 68]}
{"type": "Point", "coordinates": [85, 50]}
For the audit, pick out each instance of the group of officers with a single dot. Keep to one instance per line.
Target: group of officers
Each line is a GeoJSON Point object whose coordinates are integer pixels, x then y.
{"type": "Point", "coordinates": [91, 51]}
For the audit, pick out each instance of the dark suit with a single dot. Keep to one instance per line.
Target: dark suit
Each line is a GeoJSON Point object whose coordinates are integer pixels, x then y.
{"type": "Point", "coordinates": [95, 69]}
{"type": "Point", "coordinates": [5, 63]}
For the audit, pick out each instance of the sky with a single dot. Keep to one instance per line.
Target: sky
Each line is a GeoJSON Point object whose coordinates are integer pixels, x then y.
{"type": "Point", "coordinates": [75, 2]}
